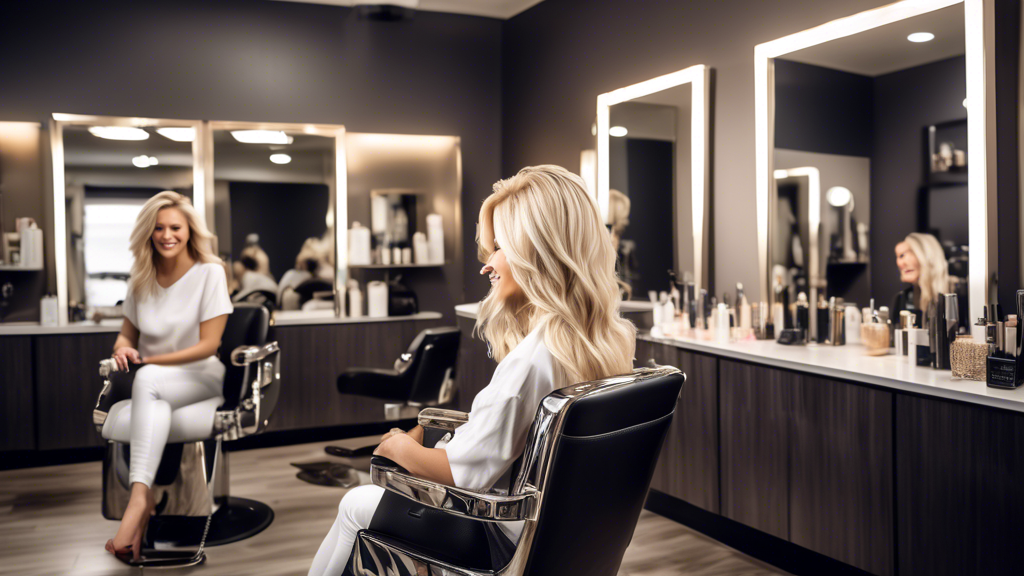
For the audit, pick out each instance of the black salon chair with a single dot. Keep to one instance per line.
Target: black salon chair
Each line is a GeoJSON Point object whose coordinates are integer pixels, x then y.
{"type": "Point", "coordinates": [422, 377]}
{"type": "Point", "coordinates": [579, 489]}
{"type": "Point", "coordinates": [194, 507]}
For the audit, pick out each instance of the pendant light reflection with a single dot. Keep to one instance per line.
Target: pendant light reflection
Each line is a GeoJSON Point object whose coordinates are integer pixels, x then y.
{"type": "Point", "coordinates": [119, 132]}
{"type": "Point", "coordinates": [178, 134]}
{"type": "Point", "coordinates": [145, 161]}
{"type": "Point", "coordinates": [919, 37]}
{"type": "Point", "coordinates": [618, 131]}
{"type": "Point", "coordinates": [261, 137]}
{"type": "Point", "coordinates": [280, 158]}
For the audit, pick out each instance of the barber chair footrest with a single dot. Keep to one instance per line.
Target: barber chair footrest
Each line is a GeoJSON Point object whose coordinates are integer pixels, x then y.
{"type": "Point", "coordinates": [154, 559]}
{"type": "Point", "coordinates": [335, 475]}
{"type": "Point", "coordinates": [342, 452]}
{"type": "Point", "coordinates": [236, 519]}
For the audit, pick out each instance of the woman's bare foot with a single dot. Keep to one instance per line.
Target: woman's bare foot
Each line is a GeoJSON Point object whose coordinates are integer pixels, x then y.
{"type": "Point", "coordinates": [133, 524]}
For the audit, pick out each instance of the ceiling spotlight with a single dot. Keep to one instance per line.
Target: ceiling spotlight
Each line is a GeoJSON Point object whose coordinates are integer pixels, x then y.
{"type": "Point", "coordinates": [618, 131]}
{"type": "Point", "coordinates": [180, 134]}
{"type": "Point", "coordinates": [921, 37]}
{"type": "Point", "coordinates": [119, 132]}
{"type": "Point", "coordinates": [280, 158]}
{"type": "Point", "coordinates": [144, 161]}
{"type": "Point", "coordinates": [838, 196]}
{"type": "Point", "coordinates": [262, 137]}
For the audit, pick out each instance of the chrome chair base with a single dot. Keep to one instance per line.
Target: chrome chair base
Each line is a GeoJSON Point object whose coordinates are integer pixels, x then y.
{"type": "Point", "coordinates": [235, 519]}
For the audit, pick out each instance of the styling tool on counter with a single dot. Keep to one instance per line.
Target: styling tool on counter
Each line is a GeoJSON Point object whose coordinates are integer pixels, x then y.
{"type": "Point", "coordinates": [1005, 366]}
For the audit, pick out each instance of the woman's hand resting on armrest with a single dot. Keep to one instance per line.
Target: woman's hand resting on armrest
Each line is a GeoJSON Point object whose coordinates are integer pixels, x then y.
{"type": "Point", "coordinates": [416, 434]}
{"type": "Point", "coordinates": [407, 452]}
{"type": "Point", "coordinates": [124, 355]}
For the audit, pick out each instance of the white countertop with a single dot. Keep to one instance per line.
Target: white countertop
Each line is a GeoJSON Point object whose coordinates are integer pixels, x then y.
{"type": "Point", "coordinates": [850, 362]}
{"type": "Point", "coordinates": [299, 318]}
{"type": "Point", "coordinates": [470, 310]}
{"type": "Point", "coordinates": [111, 325]}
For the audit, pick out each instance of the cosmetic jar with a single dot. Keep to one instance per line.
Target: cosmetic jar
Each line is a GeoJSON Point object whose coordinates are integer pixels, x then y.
{"type": "Point", "coordinates": [876, 338]}
{"type": "Point", "coordinates": [968, 358]}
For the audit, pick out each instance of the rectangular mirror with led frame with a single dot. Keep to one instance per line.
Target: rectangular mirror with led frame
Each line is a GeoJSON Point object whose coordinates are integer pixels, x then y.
{"type": "Point", "coordinates": [104, 169]}
{"type": "Point", "coordinates": [653, 185]}
{"type": "Point", "coordinates": [871, 181]}
{"type": "Point", "coordinates": [275, 189]}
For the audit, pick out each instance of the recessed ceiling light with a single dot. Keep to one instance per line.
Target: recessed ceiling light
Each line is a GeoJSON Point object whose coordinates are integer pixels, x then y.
{"type": "Point", "coordinates": [262, 137]}
{"type": "Point", "coordinates": [119, 132]}
{"type": "Point", "coordinates": [144, 161]}
{"type": "Point", "coordinates": [921, 37]}
{"type": "Point", "coordinates": [280, 158]}
{"type": "Point", "coordinates": [618, 131]}
{"type": "Point", "coordinates": [179, 134]}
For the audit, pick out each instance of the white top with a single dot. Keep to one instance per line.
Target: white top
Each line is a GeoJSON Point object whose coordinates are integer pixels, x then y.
{"type": "Point", "coordinates": [168, 321]}
{"type": "Point", "coordinates": [484, 448]}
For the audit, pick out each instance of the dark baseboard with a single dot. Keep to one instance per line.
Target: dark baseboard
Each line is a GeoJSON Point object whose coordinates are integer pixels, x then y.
{"type": "Point", "coordinates": [13, 460]}
{"type": "Point", "coordinates": [764, 547]}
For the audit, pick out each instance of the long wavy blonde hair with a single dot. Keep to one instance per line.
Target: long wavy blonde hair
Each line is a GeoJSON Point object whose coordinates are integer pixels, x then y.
{"type": "Point", "coordinates": [562, 258]}
{"type": "Point", "coordinates": [143, 274]}
{"type": "Point", "coordinates": [934, 274]}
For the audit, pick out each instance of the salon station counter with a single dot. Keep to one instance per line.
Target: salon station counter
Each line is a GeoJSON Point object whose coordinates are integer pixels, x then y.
{"type": "Point", "coordinates": [876, 466]}
{"type": "Point", "coordinates": [49, 380]}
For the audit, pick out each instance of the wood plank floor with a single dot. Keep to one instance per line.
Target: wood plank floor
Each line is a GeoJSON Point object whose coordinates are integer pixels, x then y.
{"type": "Point", "coordinates": [50, 523]}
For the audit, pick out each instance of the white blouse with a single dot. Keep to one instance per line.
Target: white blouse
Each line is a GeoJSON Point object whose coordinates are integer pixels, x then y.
{"type": "Point", "coordinates": [484, 448]}
{"type": "Point", "coordinates": [168, 320]}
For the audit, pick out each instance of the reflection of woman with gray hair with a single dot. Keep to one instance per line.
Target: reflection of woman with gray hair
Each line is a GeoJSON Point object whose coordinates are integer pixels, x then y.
{"type": "Point", "coordinates": [922, 264]}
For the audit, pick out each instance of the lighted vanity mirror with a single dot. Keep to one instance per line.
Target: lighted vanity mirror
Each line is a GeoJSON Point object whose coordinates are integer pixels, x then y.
{"type": "Point", "coordinates": [104, 170]}
{"type": "Point", "coordinates": [652, 180]}
{"type": "Point", "coordinates": [862, 139]}
{"type": "Point", "coordinates": [275, 189]}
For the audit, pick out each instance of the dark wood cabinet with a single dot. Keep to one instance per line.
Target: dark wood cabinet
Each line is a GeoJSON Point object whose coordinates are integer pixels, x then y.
{"type": "Point", "coordinates": [959, 501]}
{"type": "Point", "coordinates": [754, 405]}
{"type": "Point", "coordinates": [688, 466]}
{"type": "Point", "coordinates": [841, 472]}
{"type": "Point", "coordinates": [474, 369]}
{"type": "Point", "coordinates": [67, 384]}
{"type": "Point", "coordinates": [17, 394]}
{"type": "Point", "coordinates": [313, 356]}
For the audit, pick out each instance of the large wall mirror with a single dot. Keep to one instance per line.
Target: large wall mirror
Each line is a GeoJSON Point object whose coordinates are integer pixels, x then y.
{"type": "Point", "coordinates": [653, 179]}
{"type": "Point", "coordinates": [870, 130]}
{"type": "Point", "coordinates": [275, 190]}
{"type": "Point", "coordinates": [104, 170]}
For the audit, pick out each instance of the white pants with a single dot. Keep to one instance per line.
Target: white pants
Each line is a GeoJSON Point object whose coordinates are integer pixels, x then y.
{"type": "Point", "coordinates": [156, 391]}
{"type": "Point", "coordinates": [354, 514]}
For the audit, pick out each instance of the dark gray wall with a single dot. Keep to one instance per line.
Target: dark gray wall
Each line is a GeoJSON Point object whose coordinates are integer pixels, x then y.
{"type": "Point", "coordinates": [263, 61]}
{"type": "Point", "coordinates": [822, 110]}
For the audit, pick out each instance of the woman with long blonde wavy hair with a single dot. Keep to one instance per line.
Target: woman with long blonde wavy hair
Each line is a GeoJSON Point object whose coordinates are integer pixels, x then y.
{"type": "Point", "coordinates": [551, 319]}
{"type": "Point", "coordinates": [923, 265]}
{"type": "Point", "coordinates": [174, 316]}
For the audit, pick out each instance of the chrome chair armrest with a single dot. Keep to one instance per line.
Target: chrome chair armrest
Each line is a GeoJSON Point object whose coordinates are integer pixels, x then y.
{"type": "Point", "coordinates": [103, 402]}
{"type": "Point", "coordinates": [442, 419]}
{"type": "Point", "coordinates": [244, 355]}
{"type": "Point", "coordinates": [468, 503]}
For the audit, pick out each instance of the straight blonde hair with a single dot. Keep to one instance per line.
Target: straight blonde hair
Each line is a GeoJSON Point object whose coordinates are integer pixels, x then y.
{"type": "Point", "coordinates": [142, 283]}
{"type": "Point", "coordinates": [934, 278]}
{"type": "Point", "coordinates": [561, 256]}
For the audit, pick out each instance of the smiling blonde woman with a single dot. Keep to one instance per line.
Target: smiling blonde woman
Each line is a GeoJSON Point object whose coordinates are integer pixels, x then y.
{"type": "Point", "coordinates": [551, 318]}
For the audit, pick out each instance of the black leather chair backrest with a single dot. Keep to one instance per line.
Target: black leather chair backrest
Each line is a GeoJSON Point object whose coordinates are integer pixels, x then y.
{"type": "Point", "coordinates": [247, 326]}
{"type": "Point", "coordinates": [599, 477]}
{"type": "Point", "coordinates": [434, 355]}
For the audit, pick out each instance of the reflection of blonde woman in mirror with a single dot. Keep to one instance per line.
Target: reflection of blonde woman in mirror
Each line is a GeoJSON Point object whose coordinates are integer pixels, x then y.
{"type": "Point", "coordinates": [174, 317]}
{"type": "Point", "coordinates": [923, 266]}
{"type": "Point", "coordinates": [625, 250]}
{"type": "Point", "coordinates": [551, 318]}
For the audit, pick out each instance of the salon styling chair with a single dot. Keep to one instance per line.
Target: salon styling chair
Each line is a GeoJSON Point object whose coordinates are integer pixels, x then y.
{"type": "Point", "coordinates": [580, 486]}
{"type": "Point", "coordinates": [423, 376]}
{"type": "Point", "coordinates": [193, 506]}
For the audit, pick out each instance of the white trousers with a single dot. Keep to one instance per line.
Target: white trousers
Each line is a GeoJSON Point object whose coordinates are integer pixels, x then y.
{"type": "Point", "coordinates": [158, 390]}
{"type": "Point", "coordinates": [354, 514]}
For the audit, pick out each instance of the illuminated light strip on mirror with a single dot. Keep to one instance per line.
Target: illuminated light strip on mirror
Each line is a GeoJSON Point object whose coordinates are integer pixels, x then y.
{"type": "Point", "coordinates": [974, 27]}
{"type": "Point", "coordinates": [57, 123]}
{"type": "Point", "coordinates": [340, 221]}
{"type": "Point", "coordinates": [697, 77]}
{"type": "Point", "coordinates": [813, 176]}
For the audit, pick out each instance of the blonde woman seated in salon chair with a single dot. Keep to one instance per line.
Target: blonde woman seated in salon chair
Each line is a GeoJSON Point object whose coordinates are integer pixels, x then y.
{"type": "Point", "coordinates": [551, 318]}
{"type": "Point", "coordinates": [174, 316]}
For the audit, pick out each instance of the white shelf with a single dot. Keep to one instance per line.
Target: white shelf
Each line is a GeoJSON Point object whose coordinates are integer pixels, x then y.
{"type": "Point", "coordinates": [18, 268]}
{"type": "Point", "coordinates": [392, 266]}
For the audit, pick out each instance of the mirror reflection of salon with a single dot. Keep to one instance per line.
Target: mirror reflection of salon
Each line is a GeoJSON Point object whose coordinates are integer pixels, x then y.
{"type": "Point", "coordinates": [272, 191]}
{"type": "Point", "coordinates": [881, 116]}
{"type": "Point", "coordinates": [109, 173]}
{"type": "Point", "coordinates": [649, 198]}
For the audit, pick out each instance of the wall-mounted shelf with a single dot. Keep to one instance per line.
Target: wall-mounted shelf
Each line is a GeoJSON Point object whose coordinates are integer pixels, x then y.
{"type": "Point", "coordinates": [19, 268]}
{"type": "Point", "coordinates": [392, 266]}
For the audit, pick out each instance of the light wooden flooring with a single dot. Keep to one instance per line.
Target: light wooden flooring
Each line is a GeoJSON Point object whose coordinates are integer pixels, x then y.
{"type": "Point", "coordinates": [50, 523]}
